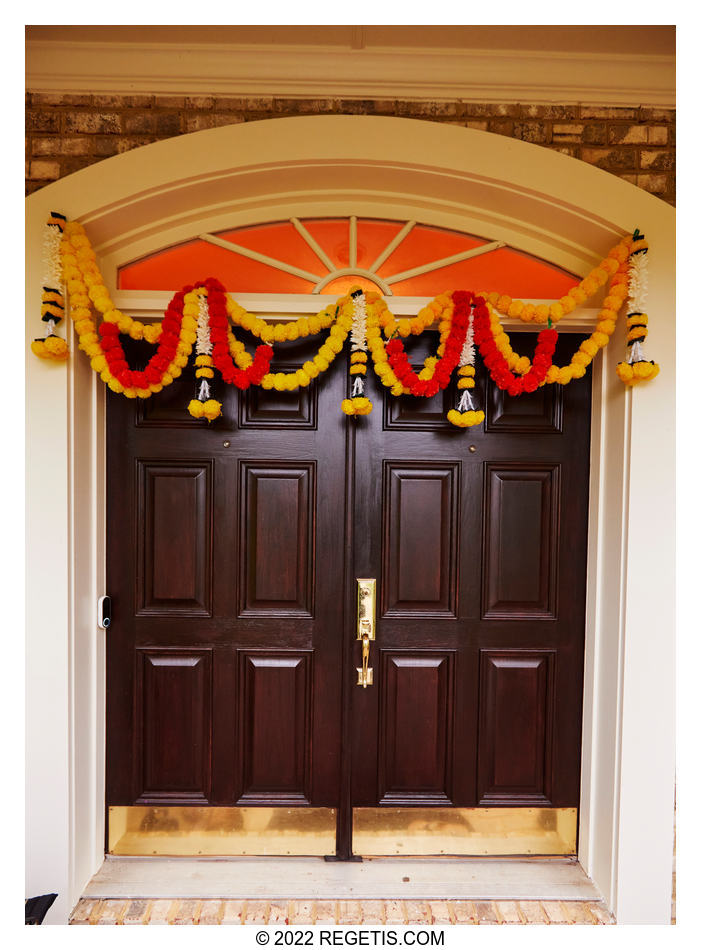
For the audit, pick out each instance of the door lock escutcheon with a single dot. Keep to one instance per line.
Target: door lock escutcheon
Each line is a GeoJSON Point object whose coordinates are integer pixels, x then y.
{"type": "Point", "coordinates": [366, 627]}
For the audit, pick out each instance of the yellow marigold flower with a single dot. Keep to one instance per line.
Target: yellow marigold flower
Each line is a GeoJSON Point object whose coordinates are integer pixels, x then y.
{"type": "Point", "coordinates": [528, 312]}
{"type": "Point", "coordinates": [311, 369]}
{"type": "Point", "coordinates": [204, 373]}
{"type": "Point", "coordinates": [565, 375]}
{"type": "Point", "coordinates": [114, 385]}
{"type": "Point", "coordinates": [136, 331]}
{"type": "Point", "coordinates": [397, 389]}
{"type": "Point", "coordinates": [302, 378]}
{"type": "Point", "coordinates": [606, 326]}
{"type": "Point", "coordinates": [279, 382]}
{"type": "Point", "coordinates": [580, 359]}
{"type": "Point", "coordinates": [98, 363]}
{"type": "Point", "coordinates": [589, 347]}
{"type": "Point", "coordinates": [516, 308]}
{"type": "Point", "coordinates": [175, 369]}
{"type": "Point", "coordinates": [601, 339]}
{"type": "Point", "coordinates": [523, 364]}
{"type": "Point", "coordinates": [268, 381]}
{"type": "Point", "coordinates": [321, 362]}
{"type": "Point", "coordinates": [327, 352]}
{"type": "Point", "coordinates": [195, 408]}
{"type": "Point", "coordinates": [357, 368]}
{"type": "Point", "coordinates": [466, 382]}
{"type": "Point", "coordinates": [578, 370]}
{"type": "Point", "coordinates": [552, 375]}
{"type": "Point", "coordinates": [143, 393]}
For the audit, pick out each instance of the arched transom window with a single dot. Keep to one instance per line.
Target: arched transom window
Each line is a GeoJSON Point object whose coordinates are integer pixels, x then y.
{"type": "Point", "coordinates": [329, 255]}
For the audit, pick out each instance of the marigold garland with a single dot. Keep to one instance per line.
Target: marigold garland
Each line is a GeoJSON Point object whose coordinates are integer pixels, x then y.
{"type": "Point", "coordinates": [635, 368]}
{"type": "Point", "coordinates": [52, 346]}
{"type": "Point", "coordinates": [203, 315]}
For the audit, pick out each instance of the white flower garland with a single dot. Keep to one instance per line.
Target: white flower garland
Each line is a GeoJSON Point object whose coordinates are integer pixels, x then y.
{"type": "Point", "coordinates": [203, 344]}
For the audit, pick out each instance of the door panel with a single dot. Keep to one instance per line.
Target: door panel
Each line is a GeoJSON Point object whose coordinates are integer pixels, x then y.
{"type": "Point", "coordinates": [216, 534]}
{"type": "Point", "coordinates": [481, 568]}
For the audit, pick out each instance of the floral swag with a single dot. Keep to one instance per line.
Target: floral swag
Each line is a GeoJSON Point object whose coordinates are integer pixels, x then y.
{"type": "Point", "coordinates": [204, 317]}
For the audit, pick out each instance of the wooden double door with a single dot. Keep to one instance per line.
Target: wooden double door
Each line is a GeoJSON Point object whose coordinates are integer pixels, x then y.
{"type": "Point", "coordinates": [233, 554]}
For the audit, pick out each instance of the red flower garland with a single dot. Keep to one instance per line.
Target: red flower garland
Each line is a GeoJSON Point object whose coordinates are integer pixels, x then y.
{"type": "Point", "coordinates": [218, 335]}
{"type": "Point", "coordinates": [399, 361]}
{"type": "Point", "coordinates": [498, 366]}
{"type": "Point", "coordinates": [161, 359]}
{"type": "Point", "coordinates": [170, 337]}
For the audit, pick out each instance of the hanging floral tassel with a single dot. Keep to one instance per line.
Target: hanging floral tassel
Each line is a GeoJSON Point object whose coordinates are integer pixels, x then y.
{"type": "Point", "coordinates": [635, 368]}
{"type": "Point", "coordinates": [466, 413]}
{"type": "Point", "coordinates": [51, 346]}
{"type": "Point", "coordinates": [358, 404]}
{"type": "Point", "coordinates": [203, 406]}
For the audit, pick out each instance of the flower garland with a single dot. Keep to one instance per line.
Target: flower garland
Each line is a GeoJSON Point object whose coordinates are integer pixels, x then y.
{"type": "Point", "coordinates": [636, 369]}
{"type": "Point", "coordinates": [448, 360]}
{"type": "Point", "coordinates": [358, 404]}
{"type": "Point", "coordinates": [52, 347]}
{"type": "Point", "coordinates": [466, 414]}
{"type": "Point", "coordinates": [498, 365]}
{"type": "Point", "coordinates": [575, 296]}
{"type": "Point", "coordinates": [203, 405]}
{"type": "Point", "coordinates": [204, 316]}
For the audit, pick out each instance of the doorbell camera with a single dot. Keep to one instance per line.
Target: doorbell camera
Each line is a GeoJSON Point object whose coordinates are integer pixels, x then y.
{"type": "Point", "coordinates": [104, 612]}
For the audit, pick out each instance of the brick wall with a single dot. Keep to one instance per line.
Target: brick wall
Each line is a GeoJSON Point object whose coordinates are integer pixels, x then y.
{"type": "Point", "coordinates": [65, 133]}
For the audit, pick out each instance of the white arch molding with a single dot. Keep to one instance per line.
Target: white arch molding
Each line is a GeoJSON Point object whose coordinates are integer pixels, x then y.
{"type": "Point", "coordinates": [539, 201]}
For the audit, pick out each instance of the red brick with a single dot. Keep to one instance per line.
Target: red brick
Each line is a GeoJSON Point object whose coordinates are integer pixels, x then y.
{"type": "Point", "coordinates": [507, 911]}
{"type": "Point", "coordinates": [92, 122]}
{"type": "Point", "coordinates": [373, 912]}
{"type": "Point", "coordinates": [232, 913]}
{"type": "Point", "coordinates": [654, 184]}
{"type": "Point", "coordinates": [417, 912]}
{"type": "Point", "coordinates": [538, 133]}
{"type": "Point", "coordinates": [278, 913]}
{"type": "Point", "coordinates": [555, 912]}
{"type": "Point", "coordinates": [137, 912]}
{"type": "Point", "coordinates": [82, 911]}
{"type": "Point", "coordinates": [628, 135]}
{"type": "Point", "coordinates": [533, 912]}
{"type": "Point", "coordinates": [395, 912]}
{"type": "Point", "coordinates": [44, 171]}
{"type": "Point", "coordinates": [256, 912]}
{"type": "Point", "coordinates": [112, 912]}
{"type": "Point", "coordinates": [301, 912]}
{"type": "Point", "coordinates": [349, 912]}
{"type": "Point", "coordinates": [464, 911]}
{"type": "Point", "coordinates": [601, 913]}
{"type": "Point", "coordinates": [550, 112]}
{"type": "Point", "coordinates": [608, 112]}
{"type": "Point", "coordinates": [578, 913]}
{"type": "Point", "coordinates": [440, 912]}
{"type": "Point", "coordinates": [485, 912]}
{"type": "Point", "coordinates": [211, 912]}
{"type": "Point", "coordinates": [325, 912]}
{"type": "Point", "coordinates": [657, 161]}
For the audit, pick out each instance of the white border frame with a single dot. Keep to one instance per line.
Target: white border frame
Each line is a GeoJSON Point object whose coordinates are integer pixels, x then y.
{"type": "Point", "coordinates": [445, 176]}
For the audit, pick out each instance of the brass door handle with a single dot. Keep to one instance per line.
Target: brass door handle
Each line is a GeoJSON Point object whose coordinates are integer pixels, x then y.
{"type": "Point", "coordinates": [366, 627]}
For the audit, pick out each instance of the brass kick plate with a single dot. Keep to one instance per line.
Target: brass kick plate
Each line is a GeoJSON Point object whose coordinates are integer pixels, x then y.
{"type": "Point", "coordinates": [184, 831]}
{"type": "Point", "coordinates": [464, 831]}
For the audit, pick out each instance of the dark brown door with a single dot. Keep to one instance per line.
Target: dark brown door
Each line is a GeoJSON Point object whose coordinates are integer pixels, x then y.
{"type": "Point", "coordinates": [233, 550]}
{"type": "Point", "coordinates": [225, 565]}
{"type": "Point", "coordinates": [477, 540]}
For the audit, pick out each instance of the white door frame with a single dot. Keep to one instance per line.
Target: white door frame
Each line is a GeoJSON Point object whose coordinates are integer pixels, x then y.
{"type": "Point", "coordinates": [540, 201]}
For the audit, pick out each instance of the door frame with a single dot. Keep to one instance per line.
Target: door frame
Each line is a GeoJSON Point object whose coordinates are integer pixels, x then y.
{"type": "Point", "coordinates": [382, 167]}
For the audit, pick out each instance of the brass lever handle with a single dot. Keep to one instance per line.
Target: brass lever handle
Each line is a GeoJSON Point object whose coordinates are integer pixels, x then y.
{"type": "Point", "coordinates": [366, 627]}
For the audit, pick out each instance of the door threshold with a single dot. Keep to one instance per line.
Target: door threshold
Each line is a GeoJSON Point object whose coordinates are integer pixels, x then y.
{"type": "Point", "coordinates": [294, 878]}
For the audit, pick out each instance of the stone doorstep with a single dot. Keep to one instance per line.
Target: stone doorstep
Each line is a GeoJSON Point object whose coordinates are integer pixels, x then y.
{"type": "Point", "coordinates": [341, 912]}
